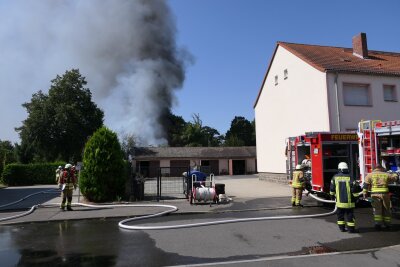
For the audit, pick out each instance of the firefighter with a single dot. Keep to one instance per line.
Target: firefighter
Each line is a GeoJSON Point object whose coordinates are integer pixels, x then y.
{"type": "Point", "coordinates": [343, 190]}
{"type": "Point", "coordinates": [377, 182]}
{"type": "Point", "coordinates": [75, 172]}
{"type": "Point", "coordinates": [68, 184]}
{"type": "Point", "coordinates": [59, 172]}
{"type": "Point", "coordinates": [298, 186]}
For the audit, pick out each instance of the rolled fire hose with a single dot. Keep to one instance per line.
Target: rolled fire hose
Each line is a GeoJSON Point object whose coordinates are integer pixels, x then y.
{"type": "Point", "coordinates": [203, 193]}
{"type": "Point", "coordinates": [122, 224]}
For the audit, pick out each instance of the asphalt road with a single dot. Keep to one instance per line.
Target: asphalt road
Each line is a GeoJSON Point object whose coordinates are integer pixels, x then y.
{"type": "Point", "coordinates": [253, 240]}
{"type": "Point", "coordinates": [91, 237]}
{"type": "Point", "coordinates": [99, 242]}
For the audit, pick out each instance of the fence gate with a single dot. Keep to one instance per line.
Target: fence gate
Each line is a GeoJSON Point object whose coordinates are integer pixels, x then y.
{"type": "Point", "coordinates": [170, 183]}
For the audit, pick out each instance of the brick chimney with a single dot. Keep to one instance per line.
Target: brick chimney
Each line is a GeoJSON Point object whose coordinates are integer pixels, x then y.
{"type": "Point", "coordinates": [360, 48]}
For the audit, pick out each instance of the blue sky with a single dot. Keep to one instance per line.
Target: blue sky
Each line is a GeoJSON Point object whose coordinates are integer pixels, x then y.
{"type": "Point", "coordinates": [232, 42]}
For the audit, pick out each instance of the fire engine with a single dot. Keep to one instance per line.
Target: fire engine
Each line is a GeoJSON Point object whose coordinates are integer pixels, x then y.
{"type": "Point", "coordinates": [320, 153]}
{"type": "Point", "coordinates": [380, 144]}
{"type": "Point", "coordinates": [375, 142]}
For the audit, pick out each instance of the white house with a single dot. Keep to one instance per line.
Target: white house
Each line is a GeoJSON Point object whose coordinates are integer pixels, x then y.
{"type": "Point", "coordinates": [310, 88]}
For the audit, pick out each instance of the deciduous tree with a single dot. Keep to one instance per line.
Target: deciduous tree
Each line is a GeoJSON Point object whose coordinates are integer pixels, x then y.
{"type": "Point", "coordinates": [7, 154]}
{"type": "Point", "coordinates": [175, 126]}
{"type": "Point", "coordinates": [241, 133]}
{"type": "Point", "coordinates": [60, 122]}
{"type": "Point", "coordinates": [195, 134]}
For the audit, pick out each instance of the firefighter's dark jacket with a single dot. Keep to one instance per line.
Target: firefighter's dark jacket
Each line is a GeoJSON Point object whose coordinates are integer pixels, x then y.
{"type": "Point", "coordinates": [344, 190]}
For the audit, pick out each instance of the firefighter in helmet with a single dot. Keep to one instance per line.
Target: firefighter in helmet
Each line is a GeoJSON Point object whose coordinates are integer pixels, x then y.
{"type": "Point", "coordinates": [67, 184]}
{"type": "Point", "coordinates": [344, 189]}
{"type": "Point", "coordinates": [377, 182]}
{"type": "Point", "coordinates": [297, 185]}
{"type": "Point", "coordinates": [59, 172]}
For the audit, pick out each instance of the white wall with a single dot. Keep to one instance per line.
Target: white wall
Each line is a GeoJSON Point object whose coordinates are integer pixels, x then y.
{"type": "Point", "coordinates": [351, 115]}
{"type": "Point", "coordinates": [296, 105]}
{"type": "Point", "coordinates": [251, 165]}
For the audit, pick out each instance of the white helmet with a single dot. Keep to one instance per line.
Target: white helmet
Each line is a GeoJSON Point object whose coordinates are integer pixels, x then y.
{"type": "Point", "coordinates": [343, 166]}
{"type": "Point", "coordinates": [299, 167]}
{"type": "Point", "coordinates": [67, 166]}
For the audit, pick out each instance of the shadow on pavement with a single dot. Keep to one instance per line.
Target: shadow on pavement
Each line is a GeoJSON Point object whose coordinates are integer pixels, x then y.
{"type": "Point", "coordinates": [12, 194]}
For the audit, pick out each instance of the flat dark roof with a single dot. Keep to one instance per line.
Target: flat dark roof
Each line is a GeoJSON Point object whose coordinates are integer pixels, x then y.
{"type": "Point", "coordinates": [149, 153]}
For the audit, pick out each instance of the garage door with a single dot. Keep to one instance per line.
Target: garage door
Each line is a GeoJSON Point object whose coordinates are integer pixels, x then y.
{"type": "Point", "coordinates": [148, 168]}
{"type": "Point", "coordinates": [179, 166]}
{"type": "Point", "coordinates": [210, 166]}
{"type": "Point", "coordinates": [239, 167]}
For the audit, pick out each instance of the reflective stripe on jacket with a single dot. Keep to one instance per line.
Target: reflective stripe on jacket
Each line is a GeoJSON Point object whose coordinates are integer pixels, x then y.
{"type": "Point", "coordinates": [342, 188]}
{"type": "Point", "coordinates": [378, 181]}
{"type": "Point", "coordinates": [298, 179]}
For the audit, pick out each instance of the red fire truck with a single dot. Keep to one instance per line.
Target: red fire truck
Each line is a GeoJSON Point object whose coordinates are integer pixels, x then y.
{"type": "Point", "coordinates": [320, 153]}
{"type": "Point", "coordinates": [374, 143]}
{"type": "Point", "coordinates": [380, 144]}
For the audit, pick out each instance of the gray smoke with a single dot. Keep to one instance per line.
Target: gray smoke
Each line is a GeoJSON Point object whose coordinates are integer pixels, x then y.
{"type": "Point", "coordinates": [126, 49]}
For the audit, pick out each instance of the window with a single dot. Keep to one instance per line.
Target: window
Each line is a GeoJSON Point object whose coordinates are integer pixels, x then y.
{"type": "Point", "coordinates": [356, 94]}
{"type": "Point", "coordinates": [285, 74]}
{"type": "Point", "coordinates": [276, 79]}
{"type": "Point", "coordinates": [389, 93]}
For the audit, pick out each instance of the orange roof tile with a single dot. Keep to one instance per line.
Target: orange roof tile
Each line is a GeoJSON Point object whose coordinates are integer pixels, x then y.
{"type": "Point", "coordinates": [328, 58]}
{"type": "Point", "coordinates": [340, 59]}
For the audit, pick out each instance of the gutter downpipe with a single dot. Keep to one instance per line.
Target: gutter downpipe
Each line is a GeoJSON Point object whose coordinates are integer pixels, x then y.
{"type": "Point", "coordinates": [337, 101]}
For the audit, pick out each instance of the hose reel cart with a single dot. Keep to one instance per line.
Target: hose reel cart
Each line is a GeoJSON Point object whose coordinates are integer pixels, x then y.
{"type": "Point", "coordinates": [202, 189]}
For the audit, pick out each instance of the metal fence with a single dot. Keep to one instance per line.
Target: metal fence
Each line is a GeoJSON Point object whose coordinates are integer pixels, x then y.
{"type": "Point", "coordinates": [170, 183]}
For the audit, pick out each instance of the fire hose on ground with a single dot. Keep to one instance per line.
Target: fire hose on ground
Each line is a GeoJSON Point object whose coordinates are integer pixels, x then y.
{"type": "Point", "coordinates": [170, 209]}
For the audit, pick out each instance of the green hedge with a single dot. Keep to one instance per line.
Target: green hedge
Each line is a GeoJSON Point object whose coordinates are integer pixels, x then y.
{"type": "Point", "coordinates": [16, 174]}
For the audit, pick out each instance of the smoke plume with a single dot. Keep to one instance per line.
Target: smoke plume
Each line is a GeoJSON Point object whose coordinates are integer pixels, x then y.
{"type": "Point", "coordinates": [126, 49]}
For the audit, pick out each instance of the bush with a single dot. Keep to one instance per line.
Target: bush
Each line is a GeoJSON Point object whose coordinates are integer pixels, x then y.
{"type": "Point", "coordinates": [103, 175]}
{"type": "Point", "coordinates": [16, 174]}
